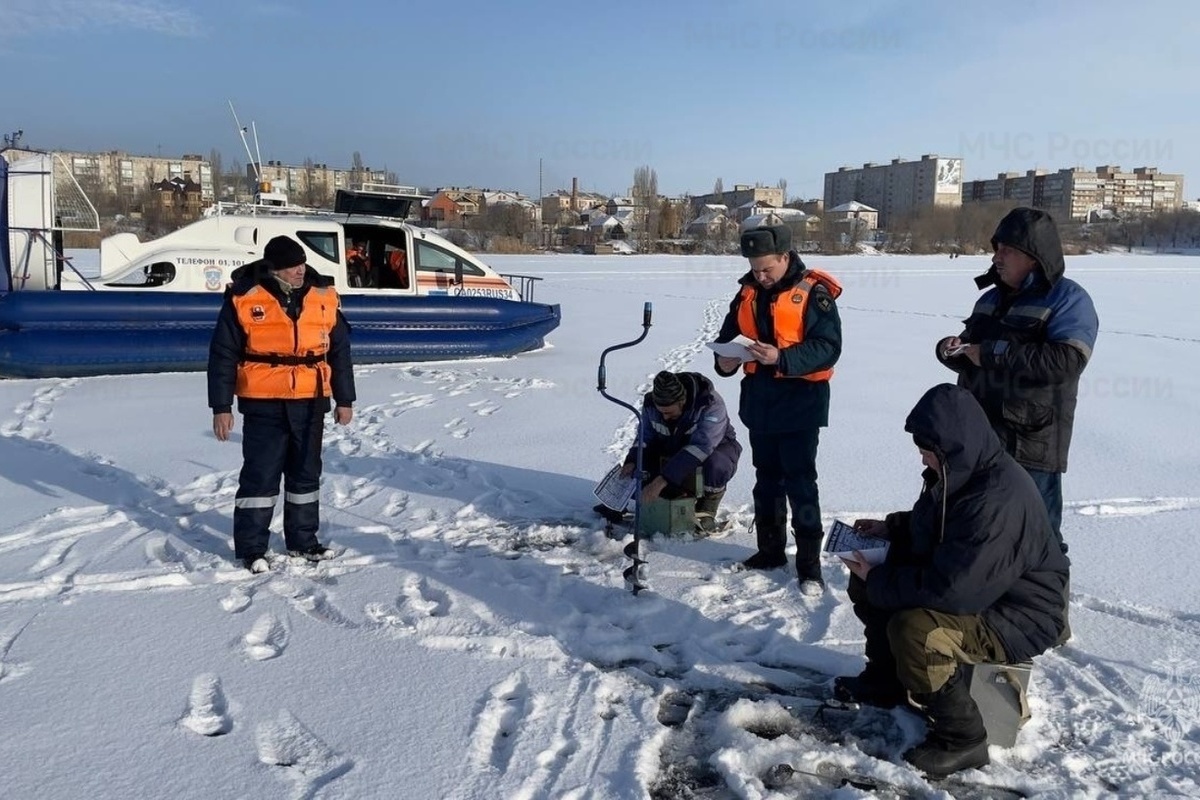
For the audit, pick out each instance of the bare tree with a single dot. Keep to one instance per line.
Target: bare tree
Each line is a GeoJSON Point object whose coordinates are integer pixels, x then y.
{"type": "Point", "coordinates": [645, 200]}
{"type": "Point", "coordinates": [358, 172]}
{"type": "Point", "coordinates": [216, 173]}
{"type": "Point", "coordinates": [782, 191]}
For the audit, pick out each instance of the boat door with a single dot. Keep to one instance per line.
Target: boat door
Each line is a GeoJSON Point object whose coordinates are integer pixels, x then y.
{"type": "Point", "coordinates": [377, 258]}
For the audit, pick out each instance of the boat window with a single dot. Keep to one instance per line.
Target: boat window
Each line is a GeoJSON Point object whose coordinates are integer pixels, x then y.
{"type": "Point", "coordinates": [158, 274]}
{"type": "Point", "coordinates": [324, 243]}
{"type": "Point", "coordinates": [434, 259]}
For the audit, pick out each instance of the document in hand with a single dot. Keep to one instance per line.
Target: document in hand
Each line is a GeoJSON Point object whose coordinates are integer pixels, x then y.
{"type": "Point", "coordinates": [735, 348]}
{"type": "Point", "coordinates": [843, 540]}
{"type": "Point", "coordinates": [614, 491]}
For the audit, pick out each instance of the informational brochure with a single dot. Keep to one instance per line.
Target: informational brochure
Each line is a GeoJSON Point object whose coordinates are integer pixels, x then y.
{"type": "Point", "coordinates": [735, 348]}
{"type": "Point", "coordinates": [843, 540]}
{"type": "Point", "coordinates": [615, 491]}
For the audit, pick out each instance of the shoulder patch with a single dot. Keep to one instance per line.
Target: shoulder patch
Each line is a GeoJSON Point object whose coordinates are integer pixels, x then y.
{"type": "Point", "coordinates": [824, 302]}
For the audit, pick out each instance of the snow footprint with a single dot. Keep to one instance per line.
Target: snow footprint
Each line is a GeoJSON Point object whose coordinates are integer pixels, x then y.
{"type": "Point", "coordinates": [309, 762]}
{"type": "Point", "coordinates": [266, 639]}
{"type": "Point", "coordinates": [483, 408]}
{"type": "Point", "coordinates": [396, 504]}
{"type": "Point", "coordinates": [494, 737]}
{"type": "Point", "coordinates": [206, 712]}
{"type": "Point", "coordinates": [423, 599]}
{"type": "Point", "coordinates": [237, 600]}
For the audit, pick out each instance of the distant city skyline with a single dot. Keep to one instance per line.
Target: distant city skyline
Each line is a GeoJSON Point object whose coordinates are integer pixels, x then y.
{"type": "Point", "coordinates": [479, 94]}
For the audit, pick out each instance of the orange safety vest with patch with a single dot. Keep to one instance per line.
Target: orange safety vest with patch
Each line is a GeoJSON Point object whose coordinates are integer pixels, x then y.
{"type": "Point", "coordinates": [285, 358]}
{"type": "Point", "coordinates": [788, 315]}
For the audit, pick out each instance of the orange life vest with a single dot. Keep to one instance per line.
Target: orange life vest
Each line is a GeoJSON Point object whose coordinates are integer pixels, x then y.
{"type": "Point", "coordinates": [788, 316]}
{"type": "Point", "coordinates": [285, 359]}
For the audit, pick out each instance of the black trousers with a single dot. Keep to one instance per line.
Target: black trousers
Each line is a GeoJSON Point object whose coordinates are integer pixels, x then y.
{"type": "Point", "coordinates": [283, 440]}
{"type": "Point", "coordinates": [785, 466]}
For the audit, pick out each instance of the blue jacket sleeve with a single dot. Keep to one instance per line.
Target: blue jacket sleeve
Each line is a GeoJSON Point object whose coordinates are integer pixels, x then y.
{"type": "Point", "coordinates": [711, 423]}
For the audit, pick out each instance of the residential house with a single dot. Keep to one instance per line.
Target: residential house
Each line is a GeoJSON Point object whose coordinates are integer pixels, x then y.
{"type": "Point", "coordinates": [452, 206]}
{"type": "Point", "coordinates": [179, 198]}
{"type": "Point", "coordinates": [853, 215]}
{"type": "Point", "coordinates": [713, 220]}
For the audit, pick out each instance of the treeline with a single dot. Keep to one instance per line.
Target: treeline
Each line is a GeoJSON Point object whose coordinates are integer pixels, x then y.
{"type": "Point", "coordinates": [968, 229]}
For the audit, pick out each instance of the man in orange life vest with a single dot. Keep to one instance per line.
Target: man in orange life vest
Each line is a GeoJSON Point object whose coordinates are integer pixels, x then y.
{"type": "Point", "coordinates": [788, 311]}
{"type": "Point", "coordinates": [283, 347]}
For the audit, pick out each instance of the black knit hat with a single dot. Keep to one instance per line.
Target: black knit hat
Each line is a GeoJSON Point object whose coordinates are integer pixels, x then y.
{"type": "Point", "coordinates": [766, 240]}
{"type": "Point", "coordinates": [668, 389]}
{"type": "Point", "coordinates": [284, 252]}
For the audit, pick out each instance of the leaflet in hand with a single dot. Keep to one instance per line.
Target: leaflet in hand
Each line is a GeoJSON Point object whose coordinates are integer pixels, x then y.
{"type": "Point", "coordinates": [843, 540]}
{"type": "Point", "coordinates": [615, 491]}
{"type": "Point", "coordinates": [735, 348]}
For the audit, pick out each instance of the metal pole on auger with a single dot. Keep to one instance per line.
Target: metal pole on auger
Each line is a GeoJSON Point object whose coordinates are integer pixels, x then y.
{"type": "Point", "coordinates": [633, 574]}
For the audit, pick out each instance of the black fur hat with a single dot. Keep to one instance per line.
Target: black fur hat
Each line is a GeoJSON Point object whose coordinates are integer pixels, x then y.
{"type": "Point", "coordinates": [766, 240]}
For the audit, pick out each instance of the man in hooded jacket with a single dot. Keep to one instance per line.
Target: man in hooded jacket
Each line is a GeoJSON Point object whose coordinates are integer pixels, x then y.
{"type": "Point", "coordinates": [973, 574]}
{"type": "Point", "coordinates": [282, 346]}
{"type": "Point", "coordinates": [1024, 347]}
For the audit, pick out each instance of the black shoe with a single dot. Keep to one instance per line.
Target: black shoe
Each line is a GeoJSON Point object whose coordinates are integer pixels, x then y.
{"type": "Point", "coordinates": [938, 758]}
{"type": "Point", "coordinates": [866, 689]}
{"type": "Point", "coordinates": [761, 560]}
{"type": "Point", "coordinates": [318, 552]}
{"type": "Point", "coordinates": [256, 564]}
{"type": "Point", "coordinates": [610, 514]}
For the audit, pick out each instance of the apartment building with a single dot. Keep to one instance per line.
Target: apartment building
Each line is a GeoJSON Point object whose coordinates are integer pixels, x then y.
{"type": "Point", "coordinates": [1077, 193]}
{"type": "Point", "coordinates": [313, 184]}
{"type": "Point", "coordinates": [123, 174]}
{"type": "Point", "coordinates": [898, 188]}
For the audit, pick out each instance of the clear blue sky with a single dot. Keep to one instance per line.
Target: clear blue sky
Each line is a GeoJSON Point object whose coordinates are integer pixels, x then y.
{"type": "Point", "coordinates": [468, 92]}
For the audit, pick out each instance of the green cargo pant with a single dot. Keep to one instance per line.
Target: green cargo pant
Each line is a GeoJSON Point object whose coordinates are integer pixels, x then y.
{"type": "Point", "coordinates": [929, 646]}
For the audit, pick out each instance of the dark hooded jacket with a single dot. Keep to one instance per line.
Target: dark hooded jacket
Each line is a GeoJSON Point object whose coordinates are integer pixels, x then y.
{"type": "Point", "coordinates": [689, 441]}
{"type": "Point", "coordinates": [1034, 344]}
{"type": "Point", "coordinates": [769, 404]}
{"type": "Point", "coordinates": [229, 342]}
{"type": "Point", "coordinates": [978, 540]}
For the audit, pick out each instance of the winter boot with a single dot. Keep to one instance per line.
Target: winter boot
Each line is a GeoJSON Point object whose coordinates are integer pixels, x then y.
{"type": "Point", "coordinates": [871, 687]}
{"type": "Point", "coordinates": [771, 547]}
{"type": "Point", "coordinates": [318, 552]}
{"type": "Point", "coordinates": [706, 511]}
{"type": "Point", "coordinates": [808, 565]}
{"type": "Point", "coordinates": [256, 564]}
{"type": "Point", "coordinates": [957, 738]}
{"type": "Point", "coordinates": [610, 514]}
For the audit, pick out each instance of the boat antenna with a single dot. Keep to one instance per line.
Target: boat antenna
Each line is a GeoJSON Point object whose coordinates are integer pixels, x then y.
{"type": "Point", "coordinates": [242, 132]}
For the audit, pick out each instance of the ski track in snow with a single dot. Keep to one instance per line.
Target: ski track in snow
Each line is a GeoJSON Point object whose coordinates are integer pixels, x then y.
{"type": "Point", "coordinates": [732, 630]}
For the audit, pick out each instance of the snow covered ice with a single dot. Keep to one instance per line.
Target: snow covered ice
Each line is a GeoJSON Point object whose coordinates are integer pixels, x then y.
{"type": "Point", "coordinates": [475, 638]}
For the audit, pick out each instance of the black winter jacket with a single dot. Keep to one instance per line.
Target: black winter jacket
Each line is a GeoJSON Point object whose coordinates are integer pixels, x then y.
{"type": "Point", "coordinates": [1034, 344]}
{"type": "Point", "coordinates": [768, 404]}
{"type": "Point", "coordinates": [229, 343]}
{"type": "Point", "coordinates": [978, 540]}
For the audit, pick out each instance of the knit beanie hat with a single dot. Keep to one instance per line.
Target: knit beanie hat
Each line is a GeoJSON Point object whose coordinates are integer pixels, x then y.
{"type": "Point", "coordinates": [284, 252]}
{"type": "Point", "coordinates": [668, 389]}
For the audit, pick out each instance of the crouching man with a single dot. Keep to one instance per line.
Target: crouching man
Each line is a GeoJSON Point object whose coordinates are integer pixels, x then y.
{"type": "Point", "coordinates": [685, 427]}
{"type": "Point", "coordinates": [974, 574]}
